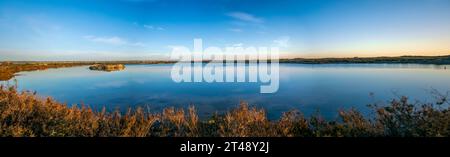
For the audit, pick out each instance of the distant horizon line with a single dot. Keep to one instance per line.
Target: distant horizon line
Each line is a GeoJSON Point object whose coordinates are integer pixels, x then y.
{"type": "Point", "coordinates": [169, 60]}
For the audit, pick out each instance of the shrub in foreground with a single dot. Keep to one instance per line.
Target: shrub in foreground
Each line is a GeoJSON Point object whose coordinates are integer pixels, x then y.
{"type": "Point", "coordinates": [25, 114]}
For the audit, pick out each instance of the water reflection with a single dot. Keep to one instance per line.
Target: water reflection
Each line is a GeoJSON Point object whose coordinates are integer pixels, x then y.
{"type": "Point", "coordinates": [327, 87]}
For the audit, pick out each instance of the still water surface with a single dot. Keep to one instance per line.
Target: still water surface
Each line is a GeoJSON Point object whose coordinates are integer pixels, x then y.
{"type": "Point", "coordinates": [308, 88]}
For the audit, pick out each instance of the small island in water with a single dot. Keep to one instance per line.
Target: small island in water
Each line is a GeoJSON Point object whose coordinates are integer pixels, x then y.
{"type": "Point", "coordinates": [107, 67]}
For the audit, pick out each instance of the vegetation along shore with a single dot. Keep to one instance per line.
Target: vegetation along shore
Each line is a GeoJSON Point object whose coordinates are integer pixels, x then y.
{"type": "Point", "coordinates": [26, 114]}
{"type": "Point", "coordinates": [9, 69]}
{"type": "Point", "coordinates": [438, 60]}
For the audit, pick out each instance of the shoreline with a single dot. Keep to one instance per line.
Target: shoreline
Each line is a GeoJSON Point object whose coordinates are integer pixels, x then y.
{"type": "Point", "coordinates": [9, 69]}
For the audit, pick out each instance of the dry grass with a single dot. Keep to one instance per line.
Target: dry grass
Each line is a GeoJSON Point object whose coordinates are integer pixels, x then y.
{"type": "Point", "coordinates": [8, 70]}
{"type": "Point", "coordinates": [25, 114]}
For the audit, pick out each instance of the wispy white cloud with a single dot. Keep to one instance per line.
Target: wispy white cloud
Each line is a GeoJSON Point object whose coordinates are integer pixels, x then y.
{"type": "Point", "coordinates": [238, 45]}
{"type": "Point", "coordinates": [283, 41]}
{"type": "Point", "coordinates": [106, 40]}
{"type": "Point", "coordinates": [139, 44]}
{"type": "Point", "coordinates": [151, 27]}
{"type": "Point", "coordinates": [261, 32]}
{"type": "Point", "coordinates": [113, 41]}
{"type": "Point", "coordinates": [242, 16]}
{"type": "Point", "coordinates": [235, 30]}
{"type": "Point", "coordinates": [175, 47]}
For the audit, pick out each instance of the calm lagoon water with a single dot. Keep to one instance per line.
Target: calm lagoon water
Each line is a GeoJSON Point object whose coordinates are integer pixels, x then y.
{"type": "Point", "coordinates": [309, 88]}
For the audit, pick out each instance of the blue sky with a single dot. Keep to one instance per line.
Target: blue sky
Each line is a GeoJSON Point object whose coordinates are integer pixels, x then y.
{"type": "Point", "coordinates": [148, 29]}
